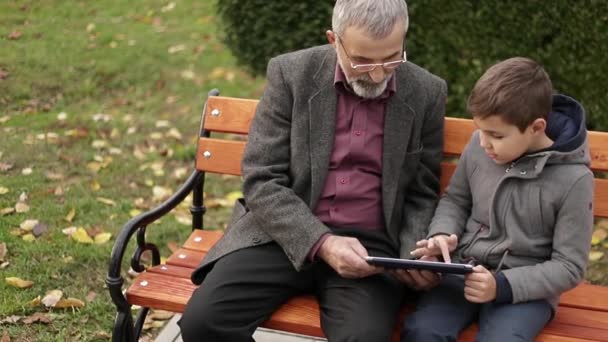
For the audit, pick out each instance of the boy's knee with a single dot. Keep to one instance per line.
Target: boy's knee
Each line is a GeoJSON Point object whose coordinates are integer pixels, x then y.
{"type": "Point", "coordinates": [428, 330]}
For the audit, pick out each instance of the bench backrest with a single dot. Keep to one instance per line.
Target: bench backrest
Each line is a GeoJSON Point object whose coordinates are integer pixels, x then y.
{"type": "Point", "coordinates": [233, 115]}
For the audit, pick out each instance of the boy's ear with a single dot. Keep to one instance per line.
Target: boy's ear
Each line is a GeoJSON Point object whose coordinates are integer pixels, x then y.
{"type": "Point", "coordinates": [539, 125]}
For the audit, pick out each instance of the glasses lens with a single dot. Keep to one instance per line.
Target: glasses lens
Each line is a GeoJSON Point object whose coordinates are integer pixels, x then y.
{"type": "Point", "coordinates": [392, 65]}
{"type": "Point", "coordinates": [364, 67]}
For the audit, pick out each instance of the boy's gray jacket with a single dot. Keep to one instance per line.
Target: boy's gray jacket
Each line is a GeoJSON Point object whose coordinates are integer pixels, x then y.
{"type": "Point", "coordinates": [538, 209]}
{"type": "Point", "coordinates": [290, 143]}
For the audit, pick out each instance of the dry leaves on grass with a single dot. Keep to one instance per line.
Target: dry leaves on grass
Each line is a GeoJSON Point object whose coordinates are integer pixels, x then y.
{"type": "Point", "coordinates": [54, 299]}
{"type": "Point", "coordinates": [92, 236]}
{"type": "Point", "coordinates": [18, 282]}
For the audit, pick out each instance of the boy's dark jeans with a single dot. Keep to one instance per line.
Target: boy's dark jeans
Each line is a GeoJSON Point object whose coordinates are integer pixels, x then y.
{"type": "Point", "coordinates": [443, 312]}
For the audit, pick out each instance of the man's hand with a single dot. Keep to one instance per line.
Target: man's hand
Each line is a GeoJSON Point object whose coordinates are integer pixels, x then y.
{"type": "Point", "coordinates": [480, 286]}
{"type": "Point", "coordinates": [346, 255]}
{"type": "Point", "coordinates": [418, 279]}
{"type": "Point", "coordinates": [438, 245]}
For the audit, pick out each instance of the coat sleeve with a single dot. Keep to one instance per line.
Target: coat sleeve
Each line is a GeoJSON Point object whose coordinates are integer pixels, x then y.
{"type": "Point", "coordinates": [283, 215]}
{"type": "Point", "coordinates": [422, 194]}
{"type": "Point", "coordinates": [454, 208]}
{"type": "Point", "coordinates": [571, 243]}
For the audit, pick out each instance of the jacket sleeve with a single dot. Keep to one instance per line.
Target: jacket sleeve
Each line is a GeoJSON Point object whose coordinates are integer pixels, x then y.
{"type": "Point", "coordinates": [571, 243]}
{"type": "Point", "coordinates": [283, 215]}
{"type": "Point", "coordinates": [422, 194]}
{"type": "Point", "coordinates": [454, 208]}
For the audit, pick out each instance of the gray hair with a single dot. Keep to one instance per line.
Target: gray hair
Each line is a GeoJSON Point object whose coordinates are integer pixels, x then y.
{"type": "Point", "coordinates": [377, 16]}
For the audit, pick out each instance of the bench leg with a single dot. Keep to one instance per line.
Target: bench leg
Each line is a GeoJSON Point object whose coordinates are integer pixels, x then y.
{"type": "Point", "coordinates": [123, 328]}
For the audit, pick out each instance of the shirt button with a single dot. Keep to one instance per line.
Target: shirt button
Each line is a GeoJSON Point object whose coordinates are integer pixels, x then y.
{"type": "Point", "coordinates": [357, 132]}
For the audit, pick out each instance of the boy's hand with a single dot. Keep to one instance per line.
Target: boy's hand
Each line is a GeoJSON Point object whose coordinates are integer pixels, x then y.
{"type": "Point", "coordinates": [438, 245]}
{"type": "Point", "coordinates": [480, 285]}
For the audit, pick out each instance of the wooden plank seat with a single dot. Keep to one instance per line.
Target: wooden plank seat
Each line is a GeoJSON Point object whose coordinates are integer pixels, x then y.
{"type": "Point", "coordinates": [582, 314]}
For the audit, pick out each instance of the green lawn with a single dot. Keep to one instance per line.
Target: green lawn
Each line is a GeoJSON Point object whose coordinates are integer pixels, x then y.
{"type": "Point", "coordinates": [100, 104]}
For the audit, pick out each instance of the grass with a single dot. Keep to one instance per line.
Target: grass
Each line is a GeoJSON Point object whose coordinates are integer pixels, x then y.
{"type": "Point", "coordinates": [131, 78]}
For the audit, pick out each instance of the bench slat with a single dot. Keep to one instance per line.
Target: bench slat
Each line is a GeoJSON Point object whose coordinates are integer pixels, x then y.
{"type": "Point", "coordinates": [187, 258]}
{"type": "Point", "coordinates": [234, 114]}
{"type": "Point", "coordinates": [225, 156]}
{"type": "Point", "coordinates": [202, 240]}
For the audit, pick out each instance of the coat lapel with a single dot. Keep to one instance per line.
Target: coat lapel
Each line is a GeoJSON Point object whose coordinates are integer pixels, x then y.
{"type": "Point", "coordinates": [322, 125]}
{"type": "Point", "coordinates": [397, 130]}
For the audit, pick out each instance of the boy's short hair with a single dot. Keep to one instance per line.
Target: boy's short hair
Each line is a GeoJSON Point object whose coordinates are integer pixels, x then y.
{"type": "Point", "coordinates": [517, 89]}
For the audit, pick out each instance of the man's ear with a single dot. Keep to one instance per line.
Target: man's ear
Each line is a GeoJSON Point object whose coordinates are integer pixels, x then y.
{"type": "Point", "coordinates": [331, 37]}
{"type": "Point", "coordinates": [539, 125]}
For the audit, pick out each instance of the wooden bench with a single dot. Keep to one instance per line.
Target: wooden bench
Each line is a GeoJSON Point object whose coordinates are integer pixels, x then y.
{"type": "Point", "coordinates": [582, 314]}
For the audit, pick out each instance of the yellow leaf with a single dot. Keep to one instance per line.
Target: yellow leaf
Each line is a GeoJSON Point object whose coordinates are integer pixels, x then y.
{"type": "Point", "coordinates": [70, 216]}
{"type": "Point", "coordinates": [134, 212]}
{"type": "Point", "coordinates": [51, 298]}
{"type": "Point", "coordinates": [598, 236]}
{"type": "Point", "coordinates": [28, 225]}
{"type": "Point", "coordinates": [69, 303]}
{"type": "Point", "coordinates": [95, 186]}
{"type": "Point", "coordinates": [81, 235]}
{"type": "Point", "coordinates": [18, 282]}
{"type": "Point", "coordinates": [102, 238]}
{"type": "Point", "coordinates": [595, 255]}
{"type": "Point", "coordinates": [36, 301]}
{"type": "Point", "coordinates": [3, 190]}
{"type": "Point", "coordinates": [602, 224]}
{"type": "Point", "coordinates": [21, 207]}
{"type": "Point", "coordinates": [106, 201]}
{"type": "Point", "coordinates": [28, 237]}
{"type": "Point", "coordinates": [6, 211]}
{"type": "Point", "coordinates": [234, 195]}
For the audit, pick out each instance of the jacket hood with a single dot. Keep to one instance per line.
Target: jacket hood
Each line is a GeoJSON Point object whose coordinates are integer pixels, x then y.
{"type": "Point", "coordinates": [566, 124]}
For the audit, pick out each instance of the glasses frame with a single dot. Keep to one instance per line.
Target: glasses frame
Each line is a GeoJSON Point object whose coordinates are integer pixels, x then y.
{"type": "Point", "coordinates": [368, 67]}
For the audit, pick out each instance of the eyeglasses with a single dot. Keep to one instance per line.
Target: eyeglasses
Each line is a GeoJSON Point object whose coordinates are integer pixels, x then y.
{"type": "Point", "coordinates": [369, 67]}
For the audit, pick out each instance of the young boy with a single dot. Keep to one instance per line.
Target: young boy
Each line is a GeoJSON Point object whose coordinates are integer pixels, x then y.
{"type": "Point", "coordinates": [519, 205]}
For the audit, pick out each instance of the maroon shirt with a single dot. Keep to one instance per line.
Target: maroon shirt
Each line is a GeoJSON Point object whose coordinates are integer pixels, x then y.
{"type": "Point", "coordinates": [352, 194]}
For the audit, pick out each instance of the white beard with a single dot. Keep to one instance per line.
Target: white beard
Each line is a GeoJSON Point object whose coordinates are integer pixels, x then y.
{"type": "Point", "coordinates": [363, 85]}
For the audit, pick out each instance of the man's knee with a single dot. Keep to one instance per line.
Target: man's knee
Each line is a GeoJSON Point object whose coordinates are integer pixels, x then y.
{"type": "Point", "coordinates": [197, 322]}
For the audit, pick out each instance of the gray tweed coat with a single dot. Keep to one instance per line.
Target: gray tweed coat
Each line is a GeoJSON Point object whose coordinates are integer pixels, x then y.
{"type": "Point", "coordinates": [290, 143]}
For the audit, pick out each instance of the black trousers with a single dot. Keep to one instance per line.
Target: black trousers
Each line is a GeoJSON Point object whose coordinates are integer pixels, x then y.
{"type": "Point", "coordinates": [245, 287]}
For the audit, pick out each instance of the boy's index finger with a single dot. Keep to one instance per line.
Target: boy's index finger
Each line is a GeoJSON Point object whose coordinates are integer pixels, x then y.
{"type": "Point", "coordinates": [445, 250]}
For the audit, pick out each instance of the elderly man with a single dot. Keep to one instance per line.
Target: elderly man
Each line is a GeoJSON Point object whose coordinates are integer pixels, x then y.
{"type": "Point", "coordinates": [342, 162]}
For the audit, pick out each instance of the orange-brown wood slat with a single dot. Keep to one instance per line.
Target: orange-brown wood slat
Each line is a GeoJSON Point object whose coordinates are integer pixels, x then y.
{"type": "Point", "coordinates": [600, 198]}
{"type": "Point", "coordinates": [574, 322]}
{"type": "Point", "coordinates": [172, 270]}
{"type": "Point", "coordinates": [220, 156]}
{"type": "Point", "coordinates": [598, 145]}
{"type": "Point", "coordinates": [202, 240]}
{"type": "Point", "coordinates": [160, 291]}
{"type": "Point", "coordinates": [586, 296]}
{"type": "Point", "coordinates": [185, 258]}
{"type": "Point", "coordinates": [232, 115]}
{"type": "Point", "coordinates": [456, 134]}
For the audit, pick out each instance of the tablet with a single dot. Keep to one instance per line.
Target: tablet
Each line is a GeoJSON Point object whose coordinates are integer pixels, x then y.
{"type": "Point", "coordinates": [435, 266]}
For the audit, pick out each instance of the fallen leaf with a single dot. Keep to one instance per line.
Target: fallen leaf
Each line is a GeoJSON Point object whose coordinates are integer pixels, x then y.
{"type": "Point", "coordinates": [602, 224]}
{"type": "Point", "coordinates": [28, 225]}
{"type": "Point", "coordinates": [95, 186]}
{"type": "Point", "coordinates": [102, 238]}
{"type": "Point", "coordinates": [3, 251]}
{"type": "Point", "coordinates": [37, 317]}
{"type": "Point", "coordinates": [23, 197]}
{"type": "Point", "coordinates": [160, 193]}
{"type": "Point", "coordinates": [11, 319]}
{"type": "Point", "coordinates": [81, 235]}
{"type": "Point", "coordinates": [233, 196]}
{"type": "Point", "coordinates": [6, 211]}
{"type": "Point", "coordinates": [21, 208]}
{"type": "Point", "coordinates": [18, 282]}
{"type": "Point", "coordinates": [69, 303]}
{"type": "Point", "coordinates": [5, 167]}
{"type": "Point", "coordinates": [4, 265]}
{"type": "Point", "coordinates": [5, 337]}
{"type": "Point", "coordinates": [134, 212]}
{"type": "Point", "coordinates": [54, 175]}
{"type": "Point", "coordinates": [106, 201]}
{"type": "Point", "coordinates": [70, 216]}
{"type": "Point", "coordinates": [36, 301]}
{"type": "Point", "coordinates": [16, 34]}
{"type": "Point", "coordinates": [595, 255]}
{"type": "Point", "coordinates": [62, 116]}
{"type": "Point", "coordinates": [26, 171]}
{"type": "Point", "coordinates": [90, 296]}
{"type": "Point", "coordinates": [28, 237]}
{"type": "Point", "coordinates": [598, 236]}
{"type": "Point", "coordinates": [69, 231]}
{"type": "Point", "coordinates": [161, 315]}
{"type": "Point", "coordinates": [3, 190]}
{"type": "Point", "coordinates": [51, 298]}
